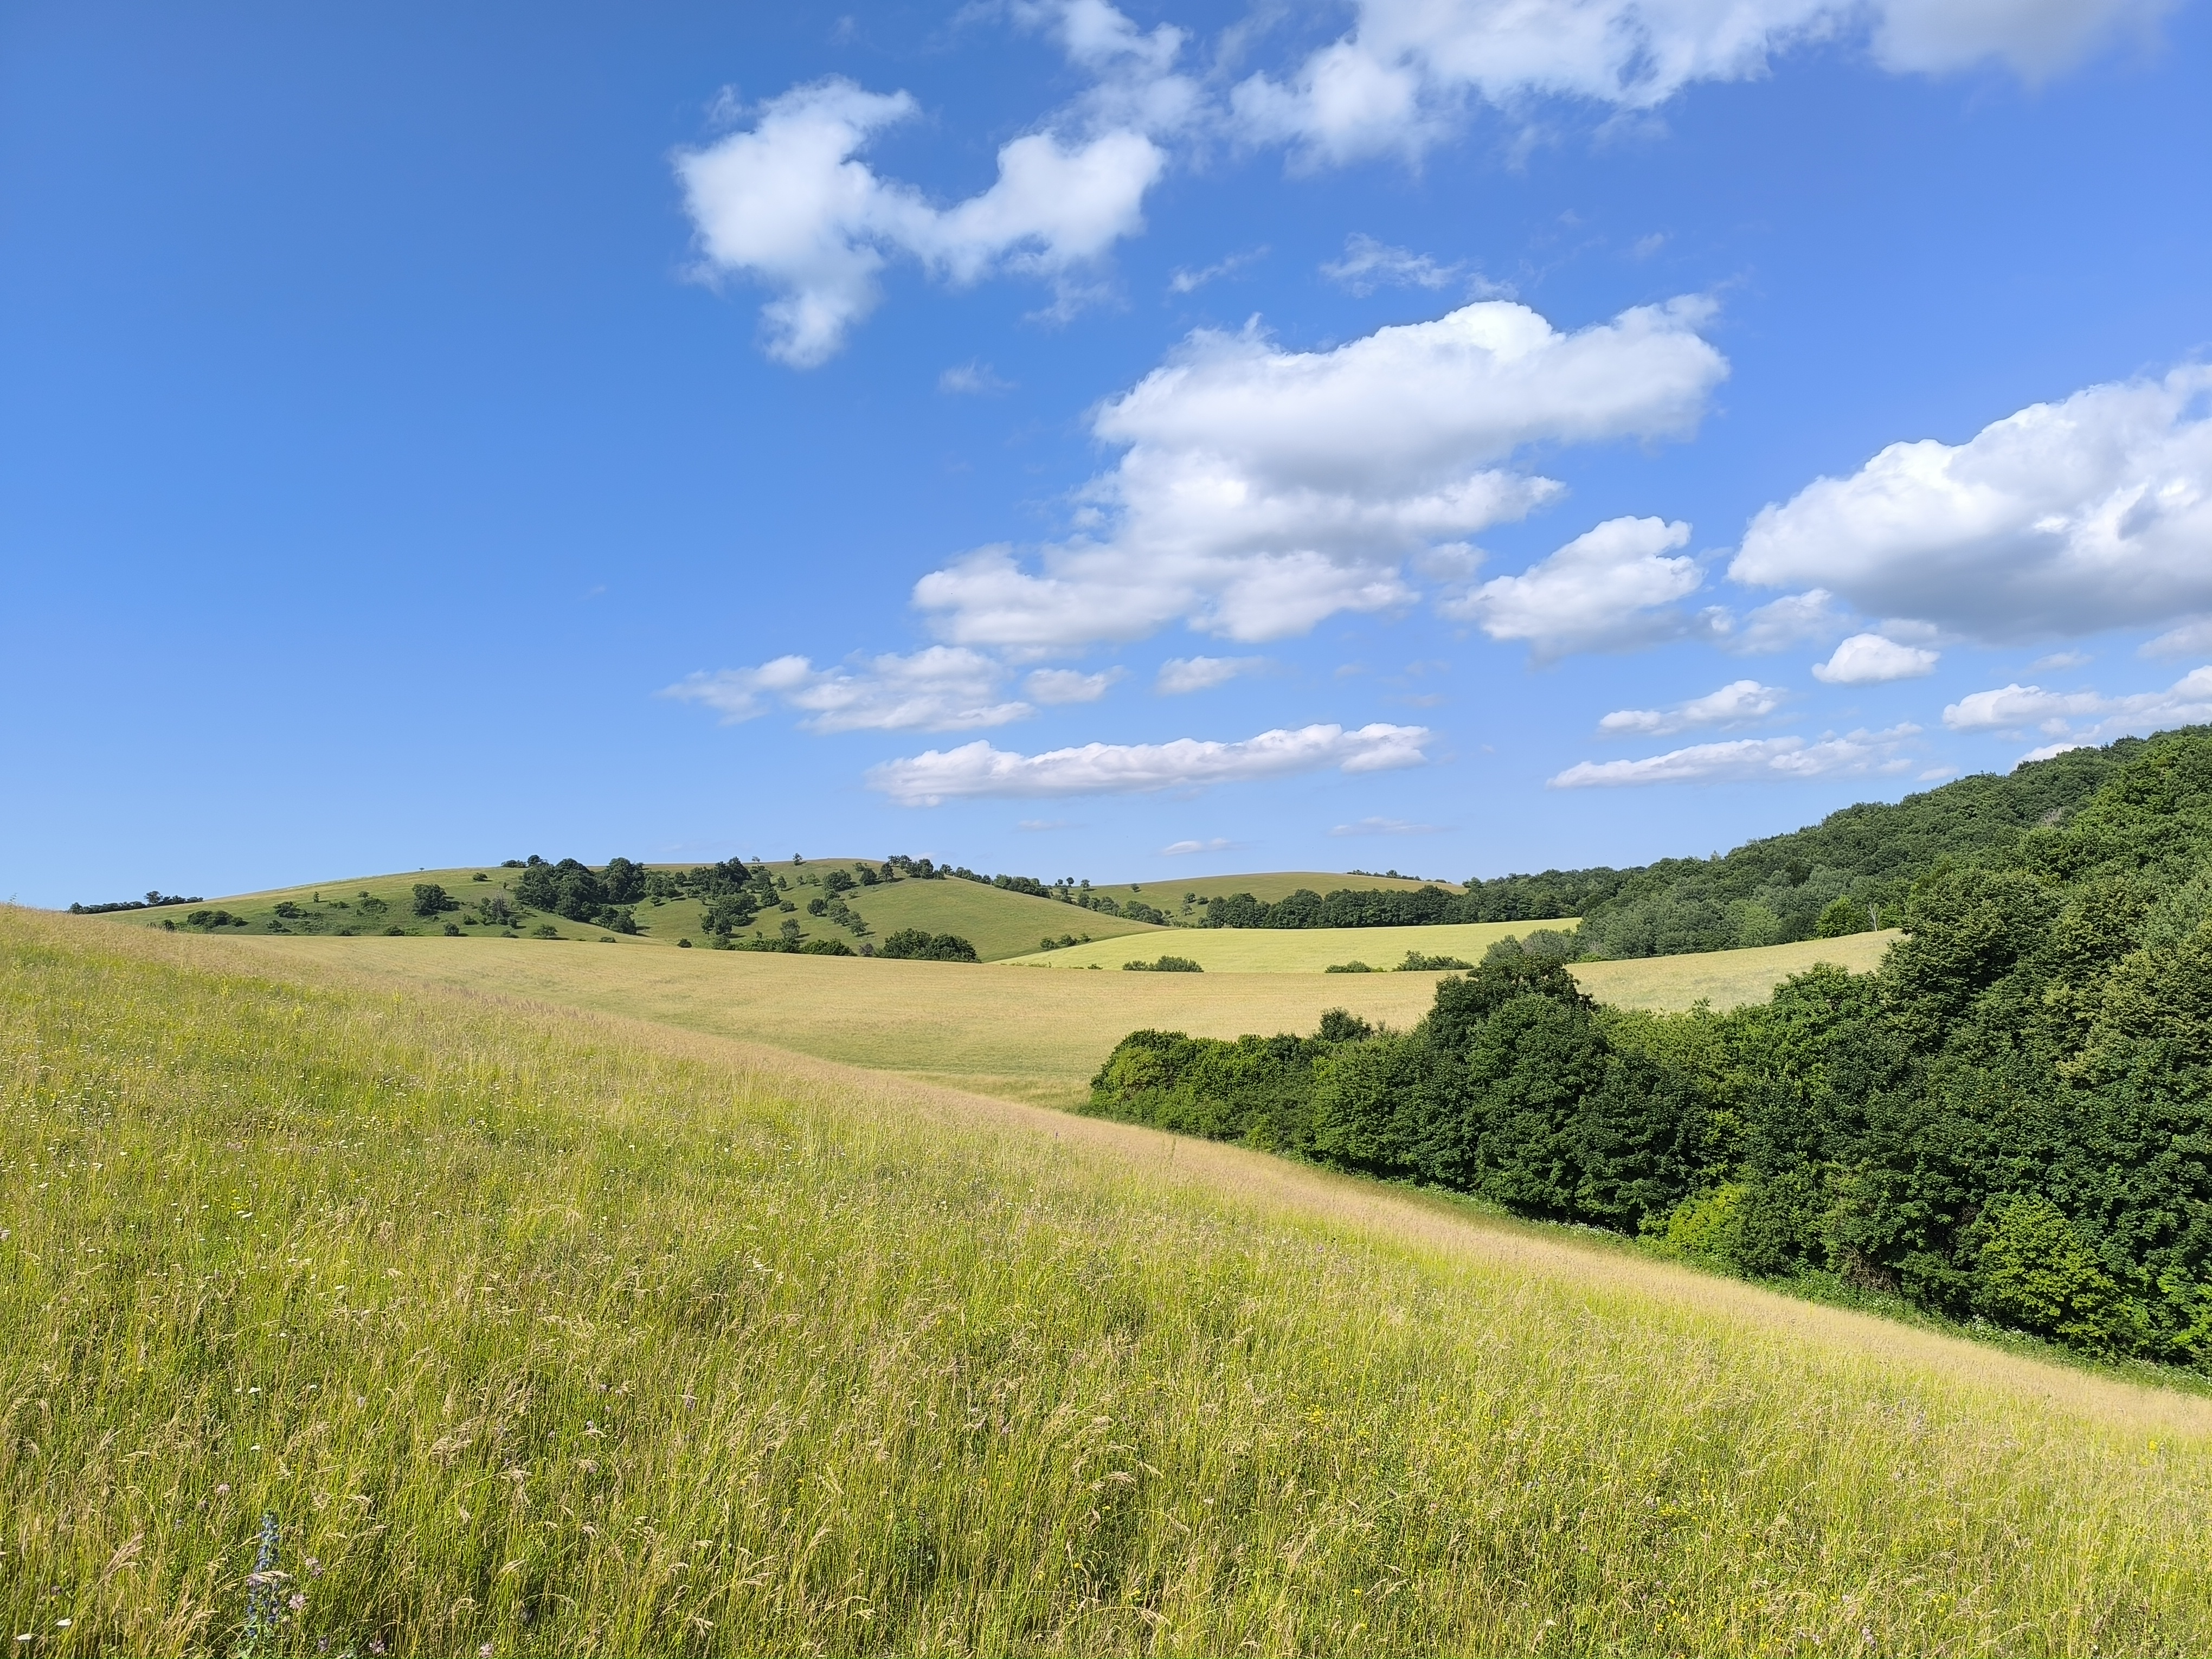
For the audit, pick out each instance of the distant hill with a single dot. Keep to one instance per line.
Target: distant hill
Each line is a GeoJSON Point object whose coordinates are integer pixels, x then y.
{"type": "Point", "coordinates": [1851, 873]}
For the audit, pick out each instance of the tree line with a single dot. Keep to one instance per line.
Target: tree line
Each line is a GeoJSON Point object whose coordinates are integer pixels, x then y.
{"type": "Point", "coordinates": [2011, 1119]}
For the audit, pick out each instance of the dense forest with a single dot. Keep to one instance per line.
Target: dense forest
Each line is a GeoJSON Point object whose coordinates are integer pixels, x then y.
{"type": "Point", "coordinates": [2012, 1120]}
{"type": "Point", "coordinates": [1848, 873]}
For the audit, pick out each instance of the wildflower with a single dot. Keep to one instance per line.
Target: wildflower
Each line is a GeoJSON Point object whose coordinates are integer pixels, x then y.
{"type": "Point", "coordinates": [314, 1568]}
{"type": "Point", "coordinates": [484, 1652]}
{"type": "Point", "coordinates": [323, 1645]}
{"type": "Point", "coordinates": [223, 1491]}
{"type": "Point", "coordinates": [296, 1601]}
{"type": "Point", "coordinates": [376, 1647]}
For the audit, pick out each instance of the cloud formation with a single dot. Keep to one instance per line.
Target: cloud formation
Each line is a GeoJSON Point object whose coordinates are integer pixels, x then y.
{"type": "Point", "coordinates": [786, 203]}
{"type": "Point", "coordinates": [1065, 685]}
{"type": "Point", "coordinates": [1611, 587]}
{"type": "Point", "coordinates": [2064, 518]}
{"type": "Point", "coordinates": [2075, 717]}
{"type": "Point", "coordinates": [1181, 675]}
{"type": "Point", "coordinates": [1751, 760]}
{"type": "Point", "coordinates": [1871, 660]}
{"type": "Point", "coordinates": [942, 689]}
{"type": "Point", "coordinates": [1385, 827]}
{"type": "Point", "coordinates": [1740, 702]}
{"type": "Point", "coordinates": [1368, 264]}
{"type": "Point", "coordinates": [1260, 491]}
{"type": "Point", "coordinates": [977, 770]}
{"type": "Point", "coordinates": [1405, 74]}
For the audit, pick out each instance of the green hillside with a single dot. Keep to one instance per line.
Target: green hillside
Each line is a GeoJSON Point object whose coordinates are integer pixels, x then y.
{"type": "Point", "coordinates": [998, 922]}
{"type": "Point", "coordinates": [1184, 901]}
{"type": "Point", "coordinates": [492, 1329]}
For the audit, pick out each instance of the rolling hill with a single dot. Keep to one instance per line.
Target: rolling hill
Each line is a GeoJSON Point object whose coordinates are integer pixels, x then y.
{"type": "Point", "coordinates": [543, 1332]}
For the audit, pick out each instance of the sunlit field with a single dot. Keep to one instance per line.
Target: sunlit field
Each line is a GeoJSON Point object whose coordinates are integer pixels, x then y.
{"type": "Point", "coordinates": [1726, 979]}
{"type": "Point", "coordinates": [538, 1331]}
{"type": "Point", "coordinates": [1293, 950]}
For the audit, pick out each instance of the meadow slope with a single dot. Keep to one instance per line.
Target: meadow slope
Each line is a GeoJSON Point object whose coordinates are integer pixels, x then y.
{"type": "Point", "coordinates": [556, 1334]}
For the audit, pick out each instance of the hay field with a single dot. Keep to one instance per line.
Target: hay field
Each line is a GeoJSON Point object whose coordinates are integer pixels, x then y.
{"type": "Point", "coordinates": [1168, 893]}
{"type": "Point", "coordinates": [1012, 1032]}
{"type": "Point", "coordinates": [557, 1335]}
{"type": "Point", "coordinates": [1294, 950]}
{"type": "Point", "coordinates": [1726, 979]}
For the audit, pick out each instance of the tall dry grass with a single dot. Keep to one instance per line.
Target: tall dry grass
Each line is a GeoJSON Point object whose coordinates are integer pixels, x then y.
{"type": "Point", "coordinates": [546, 1334]}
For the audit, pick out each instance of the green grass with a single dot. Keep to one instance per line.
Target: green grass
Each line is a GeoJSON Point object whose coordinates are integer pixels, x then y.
{"type": "Point", "coordinates": [1296, 950]}
{"type": "Point", "coordinates": [997, 923]}
{"type": "Point", "coordinates": [564, 1336]}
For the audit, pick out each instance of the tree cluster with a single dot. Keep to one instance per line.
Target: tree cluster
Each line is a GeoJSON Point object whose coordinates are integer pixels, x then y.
{"type": "Point", "coordinates": [154, 898]}
{"type": "Point", "coordinates": [2010, 1120]}
{"type": "Point", "coordinates": [914, 944]}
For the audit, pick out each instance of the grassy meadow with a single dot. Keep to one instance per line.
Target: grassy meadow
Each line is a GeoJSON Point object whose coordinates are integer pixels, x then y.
{"type": "Point", "coordinates": [541, 1333]}
{"type": "Point", "coordinates": [1292, 950]}
{"type": "Point", "coordinates": [1184, 896]}
{"type": "Point", "coordinates": [1015, 1034]}
{"type": "Point", "coordinates": [999, 923]}
{"type": "Point", "coordinates": [1726, 979]}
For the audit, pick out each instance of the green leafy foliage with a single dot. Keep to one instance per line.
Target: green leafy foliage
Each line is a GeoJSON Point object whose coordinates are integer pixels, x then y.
{"type": "Point", "coordinates": [914, 945]}
{"type": "Point", "coordinates": [1165, 964]}
{"type": "Point", "coordinates": [2012, 1120]}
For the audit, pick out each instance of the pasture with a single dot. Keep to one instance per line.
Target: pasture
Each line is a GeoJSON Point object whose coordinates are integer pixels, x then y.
{"type": "Point", "coordinates": [1294, 950]}
{"type": "Point", "coordinates": [543, 1333]}
{"type": "Point", "coordinates": [1726, 979]}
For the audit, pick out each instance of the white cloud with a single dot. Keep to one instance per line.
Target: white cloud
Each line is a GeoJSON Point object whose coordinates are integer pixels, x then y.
{"type": "Point", "coordinates": [1065, 685]}
{"type": "Point", "coordinates": [2190, 640]}
{"type": "Point", "coordinates": [2064, 518]}
{"type": "Point", "coordinates": [2077, 718]}
{"type": "Point", "coordinates": [1179, 676]}
{"type": "Point", "coordinates": [973, 379]}
{"type": "Point", "coordinates": [1175, 849]}
{"type": "Point", "coordinates": [1369, 264]}
{"type": "Point", "coordinates": [1737, 703]}
{"type": "Point", "coordinates": [1870, 660]}
{"type": "Point", "coordinates": [1793, 619]}
{"type": "Point", "coordinates": [1404, 74]}
{"type": "Point", "coordinates": [2063, 659]}
{"type": "Point", "coordinates": [1182, 281]}
{"type": "Point", "coordinates": [1748, 759]}
{"type": "Point", "coordinates": [1262, 490]}
{"type": "Point", "coordinates": [1386, 827]}
{"type": "Point", "coordinates": [1611, 586]}
{"type": "Point", "coordinates": [976, 769]}
{"type": "Point", "coordinates": [787, 204]}
{"type": "Point", "coordinates": [942, 689]}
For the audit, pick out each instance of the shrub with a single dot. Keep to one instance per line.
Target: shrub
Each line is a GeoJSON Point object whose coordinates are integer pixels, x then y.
{"type": "Point", "coordinates": [1165, 965]}
{"type": "Point", "coordinates": [682, 944]}
{"type": "Point", "coordinates": [1843, 917]}
{"type": "Point", "coordinates": [1415, 963]}
{"type": "Point", "coordinates": [1349, 967]}
{"type": "Point", "coordinates": [914, 945]}
{"type": "Point", "coordinates": [543, 930]}
{"type": "Point", "coordinates": [825, 947]}
{"type": "Point", "coordinates": [430, 899]}
{"type": "Point", "coordinates": [452, 931]}
{"type": "Point", "coordinates": [372, 907]}
{"type": "Point", "coordinates": [288, 909]}
{"type": "Point", "coordinates": [395, 932]}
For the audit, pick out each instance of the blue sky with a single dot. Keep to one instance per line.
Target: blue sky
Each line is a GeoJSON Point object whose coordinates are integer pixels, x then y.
{"type": "Point", "coordinates": [1126, 443]}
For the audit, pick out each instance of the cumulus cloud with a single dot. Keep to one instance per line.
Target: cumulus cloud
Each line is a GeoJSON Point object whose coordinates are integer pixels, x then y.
{"type": "Point", "coordinates": [976, 769]}
{"type": "Point", "coordinates": [1404, 76]}
{"type": "Point", "coordinates": [787, 204]}
{"type": "Point", "coordinates": [1261, 491]}
{"type": "Point", "coordinates": [1740, 702]}
{"type": "Point", "coordinates": [1751, 760]}
{"type": "Point", "coordinates": [1180, 676]}
{"type": "Point", "coordinates": [1368, 264]}
{"type": "Point", "coordinates": [942, 689]}
{"type": "Point", "coordinates": [1610, 587]}
{"type": "Point", "coordinates": [2075, 717]}
{"type": "Point", "coordinates": [2064, 518]}
{"type": "Point", "coordinates": [1870, 660]}
{"type": "Point", "coordinates": [1065, 685]}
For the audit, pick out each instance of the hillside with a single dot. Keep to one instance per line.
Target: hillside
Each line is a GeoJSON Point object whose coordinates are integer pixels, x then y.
{"type": "Point", "coordinates": [539, 1334]}
{"type": "Point", "coordinates": [1306, 950]}
{"type": "Point", "coordinates": [998, 921]}
{"type": "Point", "coordinates": [2004, 1124]}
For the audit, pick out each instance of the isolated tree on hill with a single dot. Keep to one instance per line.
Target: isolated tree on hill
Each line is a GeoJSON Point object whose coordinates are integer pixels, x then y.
{"type": "Point", "coordinates": [430, 899]}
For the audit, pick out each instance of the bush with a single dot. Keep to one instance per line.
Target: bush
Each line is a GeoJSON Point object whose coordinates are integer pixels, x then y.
{"type": "Point", "coordinates": [914, 945]}
{"type": "Point", "coordinates": [543, 930]}
{"type": "Point", "coordinates": [825, 947]}
{"type": "Point", "coordinates": [1165, 965]}
{"type": "Point", "coordinates": [289, 910]}
{"type": "Point", "coordinates": [1842, 917]}
{"type": "Point", "coordinates": [431, 899]}
{"type": "Point", "coordinates": [372, 907]}
{"type": "Point", "coordinates": [1348, 968]}
{"type": "Point", "coordinates": [1415, 963]}
{"type": "Point", "coordinates": [395, 932]}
